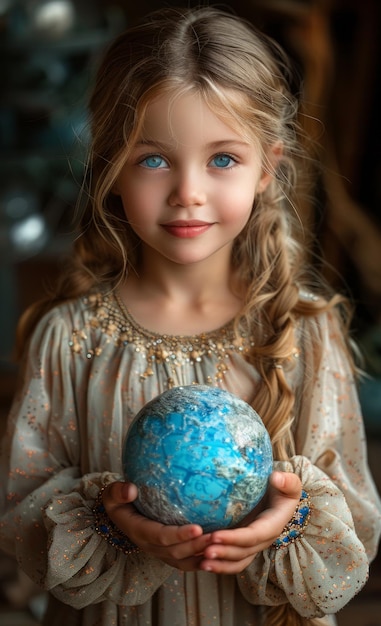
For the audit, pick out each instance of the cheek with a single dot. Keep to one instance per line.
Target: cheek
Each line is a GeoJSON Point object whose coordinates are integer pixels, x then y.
{"type": "Point", "coordinates": [238, 204]}
{"type": "Point", "coordinates": [136, 203]}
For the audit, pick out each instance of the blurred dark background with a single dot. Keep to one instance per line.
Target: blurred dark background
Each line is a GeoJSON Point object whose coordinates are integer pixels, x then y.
{"type": "Point", "coordinates": [48, 54]}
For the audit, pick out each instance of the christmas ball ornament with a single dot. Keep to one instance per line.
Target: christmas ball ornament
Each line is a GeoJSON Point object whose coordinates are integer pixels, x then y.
{"type": "Point", "coordinates": [197, 454]}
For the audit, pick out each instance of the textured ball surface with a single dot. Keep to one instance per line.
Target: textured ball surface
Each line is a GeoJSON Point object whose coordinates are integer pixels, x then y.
{"type": "Point", "coordinates": [197, 454]}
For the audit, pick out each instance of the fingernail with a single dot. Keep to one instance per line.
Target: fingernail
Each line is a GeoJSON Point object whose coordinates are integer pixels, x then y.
{"type": "Point", "coordinates": [279, 480]}
{"type": "Point", "coordinates": [125, 491]}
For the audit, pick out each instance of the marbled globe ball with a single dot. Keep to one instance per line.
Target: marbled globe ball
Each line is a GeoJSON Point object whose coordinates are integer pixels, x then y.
{"type": "Point", "coordinates": [197, 454]}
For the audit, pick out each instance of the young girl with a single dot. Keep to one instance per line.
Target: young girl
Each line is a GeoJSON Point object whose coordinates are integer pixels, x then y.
{"type": "Point", "coordinates": [187, 270]}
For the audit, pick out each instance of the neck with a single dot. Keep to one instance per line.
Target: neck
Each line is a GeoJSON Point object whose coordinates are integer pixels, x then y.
{"type": "Point", "coordinates": [182, 299]}
{"type": "Point", "coordinates": [188, 281]}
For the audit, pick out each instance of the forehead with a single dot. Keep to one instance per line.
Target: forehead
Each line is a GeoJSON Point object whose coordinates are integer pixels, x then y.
{"type": "Point", "coordinates": [188, 118]}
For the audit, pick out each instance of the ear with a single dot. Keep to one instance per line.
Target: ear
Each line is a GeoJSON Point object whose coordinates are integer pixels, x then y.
{"type": "Point", "coordinates": [271, 160]}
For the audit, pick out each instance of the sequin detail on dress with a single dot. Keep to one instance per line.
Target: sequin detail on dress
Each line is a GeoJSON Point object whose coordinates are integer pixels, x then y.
{"type": "Point", "coordinates": [113, 319]}
{"type": "Point", "coordinates": [296, 526]}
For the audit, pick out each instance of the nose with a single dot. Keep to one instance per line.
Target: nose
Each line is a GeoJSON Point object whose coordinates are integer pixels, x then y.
{"type": "Point", "coordinates": [188, 190]}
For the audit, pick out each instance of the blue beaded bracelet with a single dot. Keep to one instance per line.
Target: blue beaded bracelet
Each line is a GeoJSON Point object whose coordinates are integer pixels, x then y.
{"type": "Point", "coordinates": [296, 526]}
{"type": "Point", "coordinates": [107, 529]}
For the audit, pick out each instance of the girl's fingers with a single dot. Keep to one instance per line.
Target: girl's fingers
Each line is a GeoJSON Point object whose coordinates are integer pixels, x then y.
{"type": "Point", "coordinates": [259, 533]}
{"type": "Point", "coordinates": [225, 567]}
{"type": "Point", "coordinates": [182, 551]}
{"type": "Point", "coordinates": [227, 553]}
{"type": "Point", "coordinates": [180, 541]}
{"type": "Point", "coordinates": [190, 564]}
{"type": "Point", "coordinates": [286, 484]}
{"type": "Point", "coordinates": [241, 544]}
{"type": "Point", "coordinates": [176, 542]}
{"type": "Point", "coordinates": [117, 494]}
{"type": "Point", "coordinates": [156, 534]}
{"type": "Point", "coordinates": [187, 548]}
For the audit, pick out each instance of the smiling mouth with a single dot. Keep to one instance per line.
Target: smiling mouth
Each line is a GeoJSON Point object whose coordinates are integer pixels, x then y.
{"type": "Point", "coordinates": [186, 230]}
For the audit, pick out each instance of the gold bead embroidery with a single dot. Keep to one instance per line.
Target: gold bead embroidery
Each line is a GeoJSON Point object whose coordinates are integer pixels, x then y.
{"type": "Point", "coordinates": [108, 314]}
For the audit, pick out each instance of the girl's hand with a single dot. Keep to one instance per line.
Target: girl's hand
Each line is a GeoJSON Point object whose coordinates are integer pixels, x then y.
{"type": "Point", "coordinates": [179, 546]}
{"type": "Point", "coordinates": [231, 551]}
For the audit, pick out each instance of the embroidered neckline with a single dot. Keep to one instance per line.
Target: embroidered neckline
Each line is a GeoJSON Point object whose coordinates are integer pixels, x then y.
{"type": "Point", "coordinates": [108, 313]}
{"type": "Point", "coordinates": [225, 328]}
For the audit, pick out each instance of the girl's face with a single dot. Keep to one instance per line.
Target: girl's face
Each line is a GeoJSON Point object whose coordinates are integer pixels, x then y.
{"type": "Point", "coordinates": [189, 184]}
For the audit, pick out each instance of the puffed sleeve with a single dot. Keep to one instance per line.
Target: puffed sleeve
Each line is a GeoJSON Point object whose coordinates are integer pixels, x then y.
{"type": "Point", "coordinates": [322, 570]}
{"type": "Point", "coordinates": [46, 503]}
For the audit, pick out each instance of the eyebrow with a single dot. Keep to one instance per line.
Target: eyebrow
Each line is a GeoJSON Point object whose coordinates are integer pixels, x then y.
{"type": "Point", "coordinates": [214, 145]}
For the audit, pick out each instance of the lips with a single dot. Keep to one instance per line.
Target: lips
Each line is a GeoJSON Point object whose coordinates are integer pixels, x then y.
{"type": "Point", "coordinates": [186, 229]}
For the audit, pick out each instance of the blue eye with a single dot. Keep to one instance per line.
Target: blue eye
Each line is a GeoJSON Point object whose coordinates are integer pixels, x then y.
{"type": "Point", "coordinates": [222, 161]}
{"type": "Point", "coordinates": [155, 161]}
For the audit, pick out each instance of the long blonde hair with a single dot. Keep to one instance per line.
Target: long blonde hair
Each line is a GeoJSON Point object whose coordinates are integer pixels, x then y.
{"type": "Point", "coordinates": [218, 56]}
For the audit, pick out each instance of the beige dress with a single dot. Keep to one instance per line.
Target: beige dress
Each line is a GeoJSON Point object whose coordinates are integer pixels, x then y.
{"type": "Point", "coordinates": [90, 368]}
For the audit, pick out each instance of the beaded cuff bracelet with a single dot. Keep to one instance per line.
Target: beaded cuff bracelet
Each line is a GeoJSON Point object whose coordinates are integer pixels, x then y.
{"type": "Point", "coordinates": [107, 529]}
{"type": "Point", "coordinates": [296, 526]}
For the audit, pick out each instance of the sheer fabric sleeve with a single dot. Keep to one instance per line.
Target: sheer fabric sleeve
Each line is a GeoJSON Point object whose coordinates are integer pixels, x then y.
{"type": "Point", "coordinates": [46, 503]}
{"type": "Point", "coordinates": [320, 572]}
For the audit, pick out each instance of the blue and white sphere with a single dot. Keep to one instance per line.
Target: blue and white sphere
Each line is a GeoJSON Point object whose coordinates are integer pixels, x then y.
{"type": "Point", "coordinates": [197, 454]}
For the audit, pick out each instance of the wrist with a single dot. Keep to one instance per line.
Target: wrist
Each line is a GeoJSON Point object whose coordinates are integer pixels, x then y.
{"type": "Point", "coordinates": [295, 528]}
{"type": "Point", "coordinates": [106, 528]}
